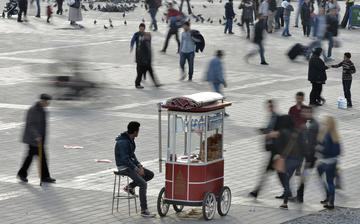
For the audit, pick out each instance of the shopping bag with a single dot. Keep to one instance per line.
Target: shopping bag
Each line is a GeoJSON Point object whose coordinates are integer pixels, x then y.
{"type": "Point", "coordinates": [342, 103]}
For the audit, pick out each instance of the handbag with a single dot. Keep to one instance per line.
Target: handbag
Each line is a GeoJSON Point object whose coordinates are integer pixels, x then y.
{"type": "Point", "coordinates": [279, 161]}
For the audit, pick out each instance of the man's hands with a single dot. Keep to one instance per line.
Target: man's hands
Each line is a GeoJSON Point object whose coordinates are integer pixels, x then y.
{"type": "Point", "coordinates": [141, 171]}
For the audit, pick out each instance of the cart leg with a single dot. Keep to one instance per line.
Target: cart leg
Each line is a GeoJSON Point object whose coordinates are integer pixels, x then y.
{"type": "Point", "coordinates": [128, 195]}
{"type": "Point", "coordinates": [113, 200]}
{"type": "Point", "coordinates": [118, 194]}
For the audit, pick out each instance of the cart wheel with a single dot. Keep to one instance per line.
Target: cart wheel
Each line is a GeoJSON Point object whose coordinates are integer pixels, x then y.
{"type": "Point", "coordinates": [178, 208]}
{"type": "Point", "coordinates": [209, 206]}
{"type": "Point", "coordinates": [224, 201]}
{"type": "Point", "coordinates": [162, 207]}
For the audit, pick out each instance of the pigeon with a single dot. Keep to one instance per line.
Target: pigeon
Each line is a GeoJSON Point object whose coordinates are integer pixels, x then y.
{"type": "Point", "coordinates": [196, 20]}
{"type": "Point", "coordinates": [235, 20]}
{"type": "Point", "coordinates": [91, 6]}
{"type": "Point", "coordinates": [95, 22]}
{"type": "Point", "coordinates": [124, 15]}
{"type": "Point", "coordinates": [99, 7]}
{"type": "Point", "coordinates": [192, 6]}
{"type": "Point", "coordinates": [239, 24]}
{"type": "Point", "coordinates": [208, 19]}
{"type": "Point", "coordinates": [174, 2]}
{"type": "Point", "coordinates": [105, 27]}
{"type": "Point", "coordinates": [162, 19]}
{"type": "Point", "coordinates": [219, 21]}
{"type": "Point", "coordinates": [111, 25]}
{"type": "Point", "coordinates": [125, 23]}
{"type": "Point", "coordinates": [220, 1]}
{"type": "Point", "coordinates": [143, 20]}
{"type": "Point", "coordinates": [211, 21]}
{"type": "Point", "coordinates": [84, 8]}
{"type": "Point", "coordinates": [224, 17]}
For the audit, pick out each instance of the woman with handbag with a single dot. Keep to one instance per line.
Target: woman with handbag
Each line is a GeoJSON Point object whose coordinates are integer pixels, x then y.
{"type": "Point", "coordinates": [329, 150]}
{"type": "Point", "coordinates": [74, 12]}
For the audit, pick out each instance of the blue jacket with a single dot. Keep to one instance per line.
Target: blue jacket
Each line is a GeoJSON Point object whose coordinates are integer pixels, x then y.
{"type": "Point", "coordinates": [215, 71]}
{"type": "Point", "coordinates": [135, 39]}
{"type": "Point", "coordinates": [331, 149]}
{"type": "Point", "coordinates": [175, 23]}
{"type": "Point", "coordinates": [229, 10]}
{"type": "Point", "coordinates": [125, 152]}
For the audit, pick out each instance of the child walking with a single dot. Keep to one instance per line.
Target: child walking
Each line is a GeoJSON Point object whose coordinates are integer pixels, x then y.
{"type": "Point", "coordinates": [348, 70]}
{"type": "Point", "coordinates": [48, 12]}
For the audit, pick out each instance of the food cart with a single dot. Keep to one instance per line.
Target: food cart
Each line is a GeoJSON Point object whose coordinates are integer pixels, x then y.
{"type": "Point", "coordinates": [194, 168]}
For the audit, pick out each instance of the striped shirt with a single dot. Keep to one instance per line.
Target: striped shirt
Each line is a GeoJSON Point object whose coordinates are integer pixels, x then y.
{"type": "Point", "coordinates": [348, 69]}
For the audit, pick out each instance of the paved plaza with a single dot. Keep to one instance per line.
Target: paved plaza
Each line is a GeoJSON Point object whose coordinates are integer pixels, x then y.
{"type": "Point", "coordinates": [32, 53]}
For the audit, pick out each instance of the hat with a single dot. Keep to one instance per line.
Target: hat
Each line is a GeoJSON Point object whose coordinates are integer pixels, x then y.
{"type": "Point", "coordinates": [45, 96]}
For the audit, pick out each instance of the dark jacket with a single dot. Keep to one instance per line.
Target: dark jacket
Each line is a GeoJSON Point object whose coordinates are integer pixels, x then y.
{"type": "Point", "coordinates": [317, 70]}
{"type": "Point", "coordinates": [143, 53]}
{"type": "Point", "coordinates": [200, 44]}
{"type": "Point", "coordinates": [125, 152]}
{"type": "Point", "coordinates": [290, 137]}
{"type": "Point", "coordinates": [229, 10]}
{"type": "Point", "coordinates": [310, 140]}
{"type": "Point", "coordinates": [272, 5]}
{"type": "Point", "coordinates": [248, 10]}
{"type": "Point", "coordinates": [330, 149]}
{"type": "Point", "coordinates": [259, 31]}
{"type": "Point", "coordinates": [332, 26]}
{"type": "Point", "coordinates": [306, 10]}
{"type": "Point", "coordinates": [136, 38]}
{"type": "Point", "coordinates": [35, 126]}
{"type": "Point", "coordinates": [152, 4]}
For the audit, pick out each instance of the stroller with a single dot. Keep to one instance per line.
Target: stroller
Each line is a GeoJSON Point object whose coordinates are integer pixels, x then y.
{"type": "Point", "coordinates": [11, 8]}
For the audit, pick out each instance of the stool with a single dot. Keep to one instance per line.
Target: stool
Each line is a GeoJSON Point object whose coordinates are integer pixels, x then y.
{"type": "Point", "coordinates": [118, 196]}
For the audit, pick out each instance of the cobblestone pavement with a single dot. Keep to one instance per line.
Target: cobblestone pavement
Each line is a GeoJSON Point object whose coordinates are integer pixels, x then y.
{"type": "Point", "coordinates": [30, 55]}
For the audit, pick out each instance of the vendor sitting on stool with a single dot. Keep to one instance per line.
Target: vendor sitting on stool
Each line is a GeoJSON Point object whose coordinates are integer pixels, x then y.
{"type": "Point", "coordinates": [128, 165]}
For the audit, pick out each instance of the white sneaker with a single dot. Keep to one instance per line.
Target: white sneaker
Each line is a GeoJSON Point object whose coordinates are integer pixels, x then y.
{"type": "Point", "coordinates": [147, 214]}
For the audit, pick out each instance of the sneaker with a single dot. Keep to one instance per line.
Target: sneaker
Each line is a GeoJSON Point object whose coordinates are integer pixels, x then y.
{"type": "Point", "coordinates": [231, 33]}
{"type": "Point", "coordinates": [284, 206]}
{"type": "Point", "coordinates": [324, 202]}
{"type": "Point", "coordinates": [139, 87]}
{"type": "Point", "coordinates": [48, 180]}
{"type": "Point", "coordinates": [147, 214]}
{"type": "Point", "coordinates": [37, 16]}
{"type": "Point", "coordinates": [253, 194]}
{"type": "Point", "coordinates": [129, 190]}
{"type": "Point", "coordinates": [23, 179]}
{"type": "Point", "coordinates": [280, 197]}
{"type": "Point", "coordinates": [330, 207]}
{"type": "Point", "coordinates": [264, 63]}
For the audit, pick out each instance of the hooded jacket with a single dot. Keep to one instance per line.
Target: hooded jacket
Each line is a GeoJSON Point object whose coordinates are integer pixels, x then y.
{"type": "Point", "coordinates": [125, 152]}
{"type": "Point", "coordinates": [35, 125]}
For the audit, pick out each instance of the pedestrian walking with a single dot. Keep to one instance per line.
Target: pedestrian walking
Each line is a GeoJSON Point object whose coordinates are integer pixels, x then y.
{"type": "Point", "coordinates": [247, 7]}
{"type": "Point", "coordinates": [306, 10]}
{"type": "Point", "coordinates": [37, 7]}
{"type": "Point", "coordinates": [153, 6]}
{"type": "Point", "coordinates": [349, 4]}
{"type": "Point", "coordinates": [287, 12]}
{"type": "Point", "coordinates": [298, 12]}
{"type": "Point", "coordinates": [49, 12]}
{"type": "Point", "coordinates": [75, 13]}
{"type": "Point", "coordinates": [296, 110]}
{"type": "Point", "coordinates": [348, 70]}
{"type": "Point", "coordinates": [332, 4]}
{"type": "Point", "coordinates": [317, 77]}
{"type": "Point", "coordinates": [329, 149]}
{"type": "Point", "coordinates": [258, 40]}
{"type": "Point", "coordinates": [230, 15]}
{"type": "Point", "coordinates": [135, 40]}
{"type": "Point", "coordinates": [279, 19]}
{"type": "Point", "coordinates": [128, 165]}
{"type": "Point", "coordinates": [143, 61]}
{"type": "Point", "coordinates": [269, 146]}
{"type": "Point", "coordinates": [271, 18]}
{"type": "Point", "coordinates": [59, 7]}
{"type": "Point", "coordinates": [188, 5]}
{"type": "Point", "coordinates": [319, 32]}
{"type": "Point", "coordinates": [331, 31]}
{"type": "Point", "coordinates": [35, 137]}
{"type": "Point", "coordinates": [187, 51]}
{"type": "Point", "coordinates": [23, 5]}
{"type": "Point", "coordinates": [215, 72]}
{"type": "Point", "coordinates": [175, 23]}
{"type": "Point", "coordinates": [264, 10]}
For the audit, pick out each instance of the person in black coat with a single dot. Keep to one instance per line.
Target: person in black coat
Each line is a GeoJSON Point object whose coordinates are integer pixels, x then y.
{"type": "Point", "coordinates": [306, 9]}
{"type": "Point", "coordinates": [143, 60]}
{"type": "Point", "coordinates": [34, 135]}
{"type": "Point", "coordinates": [247, 15]}
{"type": "Point", "coordinates": [258, 38]}
{"type": "Point", "coordinates": [230, 15]}
{"type": "Point", "coordinates": [23, 4]}
{"type": "Point", "coordinates": [331, 30]}
{"type": "Point", "coordinates": [317, 77]}
{"type": "Point", "coordinates": [59, 6]}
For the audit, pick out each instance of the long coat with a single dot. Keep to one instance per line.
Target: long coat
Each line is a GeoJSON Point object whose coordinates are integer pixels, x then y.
{"type": "Point", "coordinates": [317, 70]}
{"type": "Point", "coordinates": [75, 13]}
{"type": "Point", "coordinates": [306, 10]}
{"type": "Point", "coordinates": [35, 126]}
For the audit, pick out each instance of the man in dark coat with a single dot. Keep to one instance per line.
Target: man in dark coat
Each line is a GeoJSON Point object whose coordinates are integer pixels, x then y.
{"type": "Point", "coordinates": [23, 4]}
{"type": "Point", "coordinates": [306, 10]}
{"type": "Point", "coordinates": [258, 38]}
{"type": "Point", "coordinates": [349, 4]}
{"type": "Point", "coordinates": [317, 77]}
{"type": "Point", "coordinates": [34, 136]}
{"type": "Point", "coordinates": [271, 17]}
{"type": "Point", "coordinates": [247, 15]}
{"type": "Point", "coordinates": [229, 14]}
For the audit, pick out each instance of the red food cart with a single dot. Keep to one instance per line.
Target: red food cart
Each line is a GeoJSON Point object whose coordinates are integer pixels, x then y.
{"type": "Point", "coordinates": [194, 168]}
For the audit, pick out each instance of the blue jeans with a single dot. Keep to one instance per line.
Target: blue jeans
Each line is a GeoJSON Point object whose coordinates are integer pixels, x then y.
{"type": "Point", "coordinates": [286, 29]}
{"type": "Point", "coordinates": [228, 25]}
{"type": "Point", "coordinates": [291, 164]}
{"type": "Point", "coordinates": [265, 22]}
{"type": "Point", "coordinates": [298, 11]}
{"type": "Point", "coordinates": [153, 12]}
{"type": "Point", "coordinates": [261, 51]}
{"type": "Point", "coordinates": [314, 44]}
{"type": "Point", "coordinates": [279, 11]}
{"type": "Point", "coordinates": [37, 5]}
{"type": "Point", "coordinates": [329, 170]}
{"type": "Point", "coordinates": [331, 44]}
{"type": "Point", "coordinates": [217, 87]}
{"type": "Point", "coordinates": [190, 58]}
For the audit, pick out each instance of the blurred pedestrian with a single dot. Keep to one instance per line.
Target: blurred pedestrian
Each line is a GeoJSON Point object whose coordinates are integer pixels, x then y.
{"type": "Point", "coordinates": [329, 150]}
{"type": "Point", "coordinates": [215, 72]}
{"type": "Point", "coordinates": [188, 5]}
{"type": "Point", "coordinates": [230, 15]}
{"type": "Point", "coordinates": [187, 51]}
{"type": "Point", "coordinates": [332, 4]}
{"type": "Point", "coordinates": [349, 4]}
{"type": "Point", "coordinates": [288, 8]}
{"type": "Point", "coordinates": [128, 165]}
{"type": "Point", "coordinates": [298, 12]}
{"type": "Point", "coordinates": [143, 60]}
{"type": "Point", "coordinates": [271, 18]}
{"type": "Point", "coordinates": [37, 6]}
{"type": "Point", "coordinates": [59, 7]}
{"type": "Point", "coordinates": [279, 19]}
{"type": "Point", "coordinates": [317, 77]}
{"type": "Point", "coordinates": [35, 137]}
{"type": "Point", "coordinates": [348, 70]}
{"type": "Point", "coordinates": [75, 13]}
{"type": "Point", "coordinates": [23, 5]}
{"type": "Point", "coordinates": [258, 39]}
{"type": "Point", "coordinates": [307, 9]}
{"type": "Point", "coordinates": [153, 6]}
{"type": "Point", "coordinates": [135, 40]}
{"type": "Point", "coordinates": [247, 7]}
{"type": "Point", "coordinates": [296, 110]}
{"type": "Point", "coordinates": [264, 10]}
{"type": "Point", "coordinates": [49, 12]}
{"type": "Point", "coordinates": [331, 31]}
{"type": "Point", "coordinates": [269, 146]}
{"type": "Point", "coordinates": [175, 23]}
{"type": "Point", "coordinates": [319, 32]}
